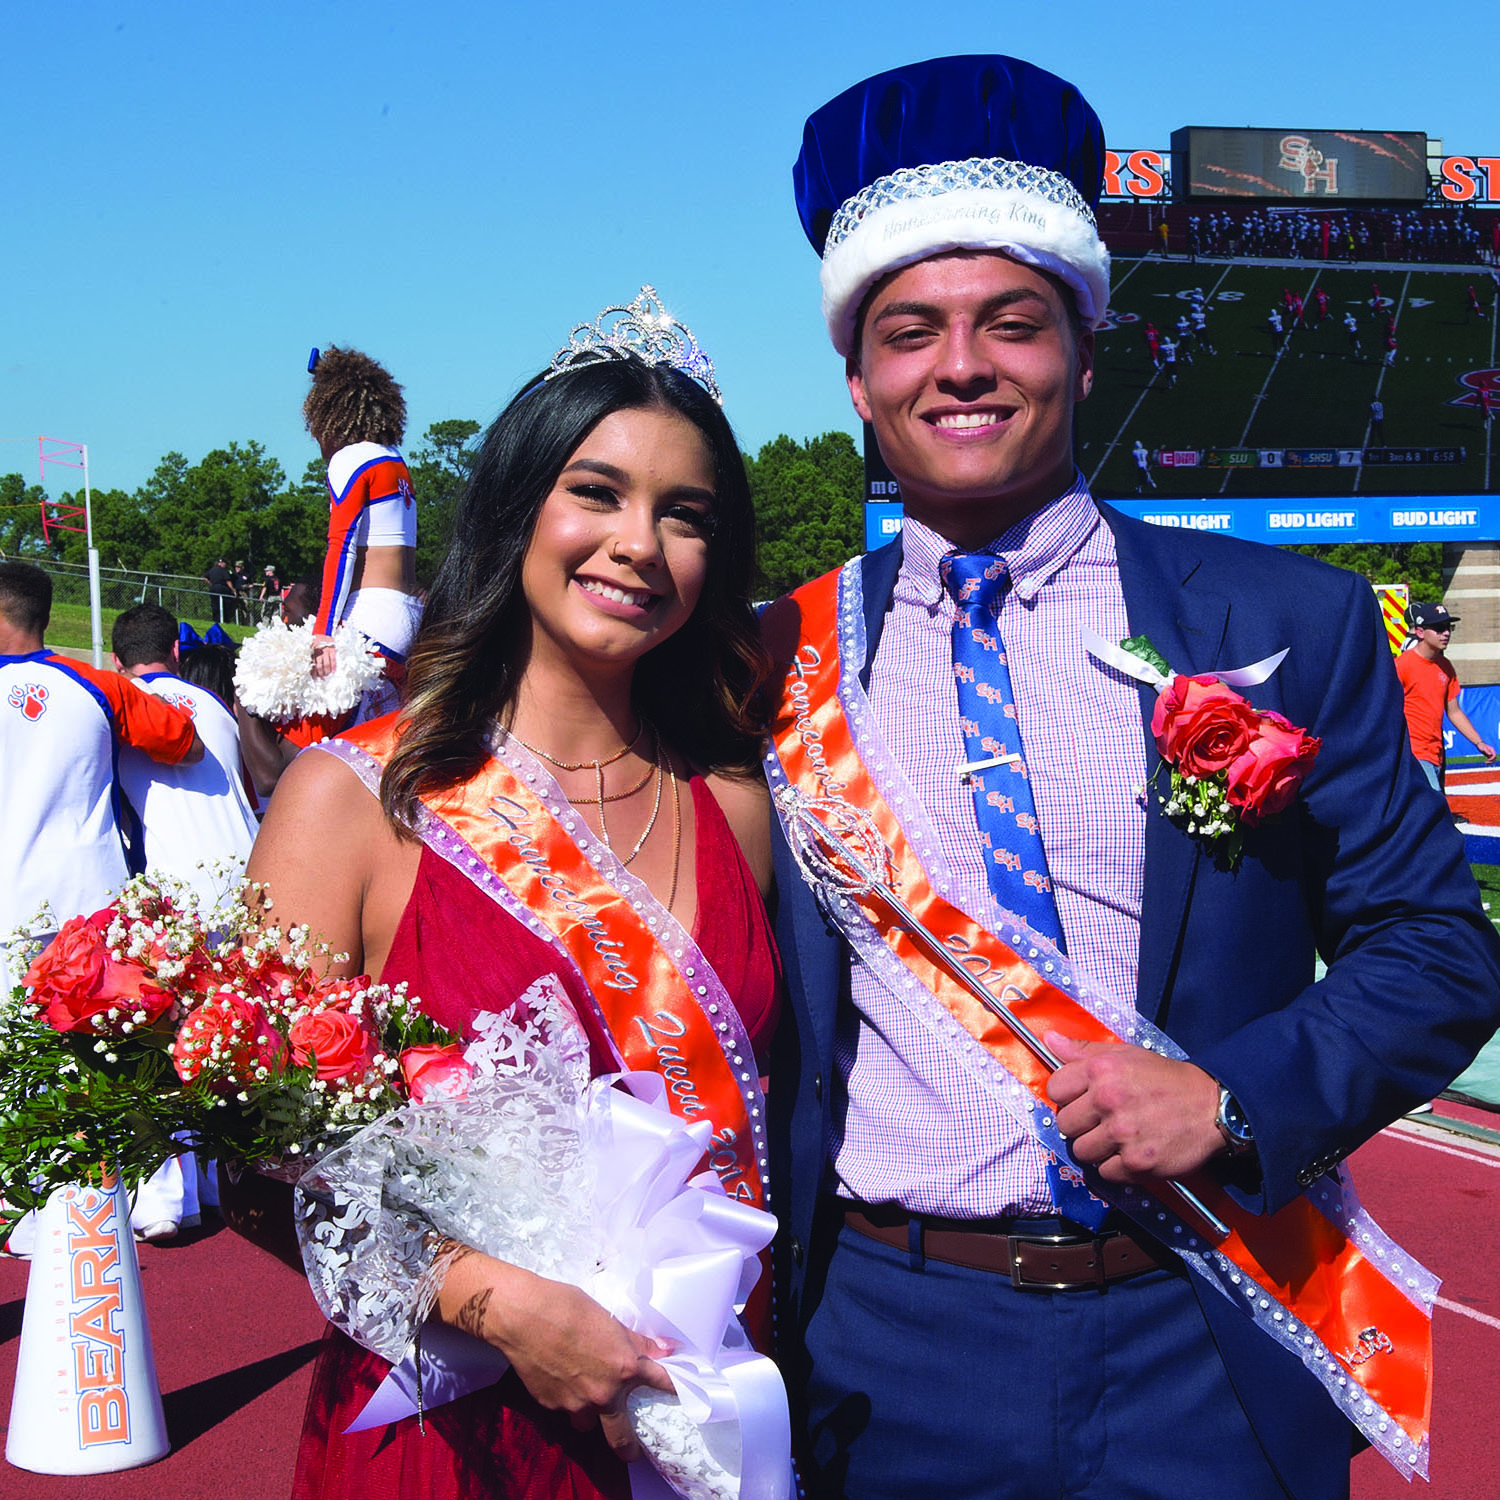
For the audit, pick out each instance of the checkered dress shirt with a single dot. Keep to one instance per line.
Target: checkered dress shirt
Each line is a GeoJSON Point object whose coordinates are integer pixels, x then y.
{"type": "Point", "coordinates": [918, 1128]}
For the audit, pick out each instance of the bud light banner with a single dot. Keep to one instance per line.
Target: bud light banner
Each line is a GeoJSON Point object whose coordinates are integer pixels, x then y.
{"type": "Point", "coordinates": [1288, 523]}
{"type": "Point", "coordinates": [1429, 518]}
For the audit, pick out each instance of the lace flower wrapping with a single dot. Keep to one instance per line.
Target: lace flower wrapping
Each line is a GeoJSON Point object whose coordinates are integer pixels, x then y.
{"type": "Point", "coordinates": [511, 1169]}
{"type": "Point", "coordinates": [700, 1463]}
{"type": "Point", "coordinates": [273, 674]}
{"type": "Point", "coordinates": [502, 1169]}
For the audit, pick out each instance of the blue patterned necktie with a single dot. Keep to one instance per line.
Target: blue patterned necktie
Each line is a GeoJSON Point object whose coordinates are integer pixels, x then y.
{"type": "Point", "coordinates": [1015, 861]}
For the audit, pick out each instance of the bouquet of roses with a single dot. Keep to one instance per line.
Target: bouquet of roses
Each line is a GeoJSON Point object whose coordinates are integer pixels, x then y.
{"type": "Point", "coordinates": [146, 1024]}
{"type": "Point", "coordinates": [148, 1020]}
{"type": "Point", "coordinates": [589, 1181]}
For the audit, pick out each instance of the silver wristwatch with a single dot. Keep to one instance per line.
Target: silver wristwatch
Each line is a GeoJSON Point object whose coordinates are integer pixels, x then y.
{"type": "Point", "coordinates": [1231, 1123]}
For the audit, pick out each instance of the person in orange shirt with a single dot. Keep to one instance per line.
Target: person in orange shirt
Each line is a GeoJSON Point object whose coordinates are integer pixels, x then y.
{"type": "Point", "coordinates": [1431, 688]}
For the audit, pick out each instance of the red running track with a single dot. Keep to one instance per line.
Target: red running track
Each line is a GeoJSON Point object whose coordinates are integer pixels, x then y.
{"type": "Point", "coordinates": [1438, 1195]}
{"type": "Point", "coordinates": [1472, 794]}
{"type": "Point", "coordinates": [235, 1331]}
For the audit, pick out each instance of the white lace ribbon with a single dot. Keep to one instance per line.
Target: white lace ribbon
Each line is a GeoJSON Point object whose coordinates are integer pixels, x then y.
{"type": "Point", "coordinates": [1133, 666]}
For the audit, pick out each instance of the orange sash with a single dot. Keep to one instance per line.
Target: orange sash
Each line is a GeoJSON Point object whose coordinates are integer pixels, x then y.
{"type": "Point", "coordinates": [666, 1011]}
{"type": "Point", "coordinates": [1302, 1277]}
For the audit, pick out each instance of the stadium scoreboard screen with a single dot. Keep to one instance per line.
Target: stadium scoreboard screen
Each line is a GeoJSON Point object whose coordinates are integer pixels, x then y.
{"type": "Point", "coordinates": [1301, 399]}
{"type": "Point", "coordinates": [1297, 165]}
{"type": "Point", "coordinates": [1302, 341]}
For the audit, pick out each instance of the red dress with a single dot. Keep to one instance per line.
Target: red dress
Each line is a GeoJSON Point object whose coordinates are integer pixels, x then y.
{"type": "Point", "coordinates": [461, 954]}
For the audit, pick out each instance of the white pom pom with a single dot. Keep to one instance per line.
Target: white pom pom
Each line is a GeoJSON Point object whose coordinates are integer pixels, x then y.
{"type": "Point", "coordinates": [273, 676]}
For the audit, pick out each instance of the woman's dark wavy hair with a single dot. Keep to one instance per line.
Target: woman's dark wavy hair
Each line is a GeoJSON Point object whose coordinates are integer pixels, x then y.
{"type": "Point", "coordinates": [700, 688]}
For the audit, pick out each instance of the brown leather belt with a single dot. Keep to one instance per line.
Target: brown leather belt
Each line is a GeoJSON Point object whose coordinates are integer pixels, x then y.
{"type": "Point", "coordinates": [1034, 1262]}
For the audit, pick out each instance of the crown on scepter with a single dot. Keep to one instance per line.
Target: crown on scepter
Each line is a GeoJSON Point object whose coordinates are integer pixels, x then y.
{"type": "Point", "coordinates": [643, 328]}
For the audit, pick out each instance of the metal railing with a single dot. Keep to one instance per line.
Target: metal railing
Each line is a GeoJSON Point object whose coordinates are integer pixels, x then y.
{"type": "Point", "coordinates": [187, 598]}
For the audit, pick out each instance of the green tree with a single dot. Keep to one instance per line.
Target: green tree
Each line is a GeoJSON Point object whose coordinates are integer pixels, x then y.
{"type": "Point", "coordinates": [20, 516]}
{"type": "Point", "coordinates": [233, 503]}
{"type": "Point", "coordinates": [1416, 564]}
{"type": "Point", "coordinates": [809, 512]}
{"type": "Point", "coordinates": [440, 469]}
{"type": "Point", "coordinates": [122, 530]}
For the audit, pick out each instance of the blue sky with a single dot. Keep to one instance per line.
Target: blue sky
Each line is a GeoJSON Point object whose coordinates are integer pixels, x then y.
{"type": "Point", "coordinates": [198, 193]}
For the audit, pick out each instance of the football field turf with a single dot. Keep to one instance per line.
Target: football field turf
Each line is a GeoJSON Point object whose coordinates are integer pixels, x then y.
{"type": "Point", "coordinates": [1311, 393]}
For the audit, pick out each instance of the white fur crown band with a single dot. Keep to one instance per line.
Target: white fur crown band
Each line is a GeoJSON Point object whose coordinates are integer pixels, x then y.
{"type": "Point", "coordinates": [985, 203]}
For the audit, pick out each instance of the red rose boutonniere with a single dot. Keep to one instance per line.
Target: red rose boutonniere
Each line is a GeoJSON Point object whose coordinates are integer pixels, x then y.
{"type": "Point", "coordinates": [1232, 766]}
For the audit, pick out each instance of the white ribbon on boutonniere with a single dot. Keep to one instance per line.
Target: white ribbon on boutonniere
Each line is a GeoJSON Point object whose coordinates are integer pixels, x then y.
{"type": "Point", "coordinates": [1153, 670]}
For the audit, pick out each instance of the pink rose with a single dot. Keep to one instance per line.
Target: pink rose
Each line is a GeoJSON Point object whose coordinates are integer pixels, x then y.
{"type": "Point", "coordinates": [337, 1044]}
{"type": "Point", "coordinates": [225, 1040]}
{"type": "Point", "coordinates": [436, 1073]}
{"type": "Point", "coordinates": [1264, 779]}
{"type": "Point", "coordinates": [76, 983]}
{"type": "Point", "coordinates": [1201, 725]}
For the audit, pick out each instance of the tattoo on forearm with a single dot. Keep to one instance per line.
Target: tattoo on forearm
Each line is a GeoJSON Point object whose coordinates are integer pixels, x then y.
{"type": "Point", "coordinates": [452, 1251]}
{"type": "Point", "coordinates": [471, 1316]}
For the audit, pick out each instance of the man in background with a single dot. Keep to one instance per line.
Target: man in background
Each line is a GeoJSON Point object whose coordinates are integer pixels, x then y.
{"type": "Point", "coordinates": [270, 592]}
{"type": "Point", "coordinates": [1143, 474]}
{"type": "Point", "coordinates": [197, 821]}
{"type": "Point", "coordinates": [241, 581]}
{"type": "Point", "coordinates": [221, 586]}
{"type": "Point", "coordinates": [61, 726]}
{"type": "Point", "coordinates": [1430, 686]}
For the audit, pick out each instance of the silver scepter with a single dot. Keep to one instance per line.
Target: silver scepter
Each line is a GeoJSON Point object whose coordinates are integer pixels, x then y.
{"type": "Point", "coordinates": [839, 849]}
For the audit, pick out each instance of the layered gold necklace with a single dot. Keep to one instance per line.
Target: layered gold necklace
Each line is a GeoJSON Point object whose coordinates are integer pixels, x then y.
{"type": "Point", "coordinates": [658, 767]}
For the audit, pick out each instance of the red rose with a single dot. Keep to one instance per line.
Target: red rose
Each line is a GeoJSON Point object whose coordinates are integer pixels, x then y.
{"type": "Point", "coordinates": [76, 983]}
{"type": "Point", "coordinates": [272, 979]}
{"type": "Point", "coordinates": [1201, 725]}
{"type": "Point", "coordinates": [1264, 779]}
{"type": "Point", "coordinates": [338, 1044]}
{"type": "Point", "coordinates": [71, 964]}
{"type": "Point", "coordinates": [226, 1039]}
{"type": "Point", "coordinates": [133, 989]}
{"type": "Point", "coordinates": [337, 993]}
{"type": "Point", "coordinates": [435, 1073]}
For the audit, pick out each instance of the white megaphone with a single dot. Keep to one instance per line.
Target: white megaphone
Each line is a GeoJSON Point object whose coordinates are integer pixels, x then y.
{"type": "Point", "coordinates": [86, 1399]}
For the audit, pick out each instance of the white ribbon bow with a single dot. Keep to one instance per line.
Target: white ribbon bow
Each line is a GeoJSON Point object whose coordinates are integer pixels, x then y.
{"type": "Point", "coordinates": [1133, 666]}
{"type": "Point", "coordinates": [684, 1257]}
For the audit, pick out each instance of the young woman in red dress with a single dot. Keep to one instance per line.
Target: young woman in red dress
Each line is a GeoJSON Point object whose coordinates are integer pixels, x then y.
{"type": "Point", "coordinates": [588, 643]}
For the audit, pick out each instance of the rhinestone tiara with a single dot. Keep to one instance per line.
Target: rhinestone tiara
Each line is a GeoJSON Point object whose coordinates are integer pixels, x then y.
{"type": "Point", "coordinates": [643, 328]}
{"type": "Point", "coordinates": [994, 173]}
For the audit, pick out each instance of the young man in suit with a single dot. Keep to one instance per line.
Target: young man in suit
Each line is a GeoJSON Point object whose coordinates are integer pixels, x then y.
{"type": "Point", "coordinates": [961, 1314]}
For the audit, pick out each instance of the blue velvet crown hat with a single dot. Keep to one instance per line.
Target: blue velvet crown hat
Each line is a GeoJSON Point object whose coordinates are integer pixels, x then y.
{"type": "Point", "coordinates": [958, 153]}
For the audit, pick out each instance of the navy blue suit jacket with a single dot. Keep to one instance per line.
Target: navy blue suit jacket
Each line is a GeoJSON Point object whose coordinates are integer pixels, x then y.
{"type": "Point", "coordinates": [1365, 869]}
